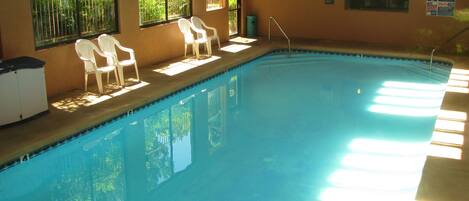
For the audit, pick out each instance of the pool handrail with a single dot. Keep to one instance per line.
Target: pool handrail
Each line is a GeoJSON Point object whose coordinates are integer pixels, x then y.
{"type": "Point", "coordinates": [271, 18]}
{"type": "Point", "coordinates": [446, 42]}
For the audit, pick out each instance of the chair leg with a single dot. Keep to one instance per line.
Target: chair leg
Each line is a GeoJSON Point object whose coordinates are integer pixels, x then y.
{"type": "Point", "coordinates": [218, 40]}
{"type": "Point", "coordinates": [86, 81]}
{"type": "Point", "coordinates": [117, 77]}
{"type": "Point", "coordinates": [136, 71]}
{"type": "Point", "coordinates": [209, 47]}
{"type": "Point", "coordinates": [100, 83]}
{"type": "Point", "coordinates": [193, 50]}
{"type": "Point", "coordinates": [185, 50]}
{"type": "Point", "coordinates": [107, 77]}
{"type": "Point", "coordinates": [120, 70]}
{"type": "Point", "coordinates": [197, 53]}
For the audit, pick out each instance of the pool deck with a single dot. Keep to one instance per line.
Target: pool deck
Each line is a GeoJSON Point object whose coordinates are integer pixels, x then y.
{"type": "Point", "coordinates": [443, 179]}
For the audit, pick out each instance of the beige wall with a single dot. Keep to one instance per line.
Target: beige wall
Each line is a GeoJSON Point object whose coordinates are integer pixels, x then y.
{"type": "Point", "coordinates": [301, 19]}
{"type": "Point", "coordinates": [64, 71]}
{"type": "Point", "coordinates": [315, 20]}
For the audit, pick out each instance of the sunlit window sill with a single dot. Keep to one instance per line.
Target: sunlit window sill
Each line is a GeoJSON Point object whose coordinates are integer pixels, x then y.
{"type": "Point", "coordinates": [215, 8]}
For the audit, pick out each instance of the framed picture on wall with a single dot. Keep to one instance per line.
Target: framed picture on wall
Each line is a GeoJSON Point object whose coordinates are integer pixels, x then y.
{"type": "Point", "coordinates": [441, 7]}
{"type": "Point", "coordinates": [329, 1]}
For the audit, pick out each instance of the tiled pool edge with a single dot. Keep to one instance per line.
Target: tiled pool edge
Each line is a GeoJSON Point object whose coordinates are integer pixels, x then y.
{"type": "Point", "coordinates": [147, 103]}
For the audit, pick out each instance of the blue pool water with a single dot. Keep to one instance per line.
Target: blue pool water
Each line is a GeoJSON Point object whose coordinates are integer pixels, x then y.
{"type": "Point", "coordinates": [308, 127]}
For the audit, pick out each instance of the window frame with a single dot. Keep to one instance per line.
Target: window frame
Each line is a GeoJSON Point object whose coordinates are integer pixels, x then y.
{"type": "Point", "coordinates": [403, 10]}
{"type": "Point", "coordinates": [78, 25]}
{"type": "Point", "coordinates": [166, 21]}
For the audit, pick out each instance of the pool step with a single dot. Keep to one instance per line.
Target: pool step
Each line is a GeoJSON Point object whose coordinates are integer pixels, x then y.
{"type": "Point", "coordinates": [286, 58]}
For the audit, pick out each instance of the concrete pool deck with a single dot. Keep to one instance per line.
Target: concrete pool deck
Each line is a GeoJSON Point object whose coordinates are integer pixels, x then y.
{"type": "Point", "coordinates": [75, 111]}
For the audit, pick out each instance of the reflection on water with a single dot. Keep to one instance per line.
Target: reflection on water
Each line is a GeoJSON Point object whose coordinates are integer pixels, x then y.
{"type": "Point", "coordinates": [130, 159]}
{"type": "Point", "coordinates": [260, 132]}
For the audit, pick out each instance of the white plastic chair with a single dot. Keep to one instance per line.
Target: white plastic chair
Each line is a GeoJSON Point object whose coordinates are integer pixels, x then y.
{"type": "Point", "coordinates": [85, 50]}
{"type": "Point", "coordinates": [199, 23]}
{"type": "Point", "coordinates": [186, 28]}
{"type": "Point", "coordinates": [108, 45]}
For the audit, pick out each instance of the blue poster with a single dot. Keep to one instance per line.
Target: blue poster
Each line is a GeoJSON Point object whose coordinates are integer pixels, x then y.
{"type": "Point", "coordinates": [441, 7]}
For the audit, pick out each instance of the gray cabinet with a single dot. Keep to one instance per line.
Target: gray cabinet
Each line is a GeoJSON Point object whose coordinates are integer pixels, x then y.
{"type": "Point", "coordinates": [22, 89]}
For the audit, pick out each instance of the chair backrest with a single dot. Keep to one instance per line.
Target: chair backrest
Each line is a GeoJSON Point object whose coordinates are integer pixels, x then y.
{"type": "Point", "coordinates": [198, 23]}
{"type": "Point", "coordinates": [85, 49]}
{"type": "Point", "coordinates": [107, 44]}
{"type": "Point", "coordinates": [185, 28]}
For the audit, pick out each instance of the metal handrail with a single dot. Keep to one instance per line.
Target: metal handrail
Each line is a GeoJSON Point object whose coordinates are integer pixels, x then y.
{"type": "Point", "coordinates": [446, 42]}
{"type": "Point", "coordinates": [281, 29]}
{"type": "Point", "coordinates": [431, 57]}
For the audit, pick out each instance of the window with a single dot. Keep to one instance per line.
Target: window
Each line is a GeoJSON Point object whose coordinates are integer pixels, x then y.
{"type": "Point", "coordinates": [234, 13]}
{"type": "Point", "coordinates": [59, 21]}
{"type": "Point", "coordinates": [159, 11]}
{"type": "Point", "coordinates": [390, 5]}
{"type": "Point", "coordinates": [214, 4]}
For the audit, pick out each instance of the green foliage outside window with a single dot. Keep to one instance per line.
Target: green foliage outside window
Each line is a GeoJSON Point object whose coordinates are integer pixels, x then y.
{"type": "Point", "coordinates": [232, 4]}
{"type": "Point", "coordinates": [58, 21]}
{"type": "Point", "coordinates": [158, 11]}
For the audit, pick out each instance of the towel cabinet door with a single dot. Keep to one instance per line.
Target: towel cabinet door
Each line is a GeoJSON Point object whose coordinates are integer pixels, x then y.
{"type": "Point", "coordinates": [10, 109]}
{"type": "Point", "coordinates": [32, 91]}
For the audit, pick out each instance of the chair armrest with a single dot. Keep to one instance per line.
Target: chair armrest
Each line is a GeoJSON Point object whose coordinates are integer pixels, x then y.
{"type": "Point", "coordinates": [126, 49]}
{"type": "Point", "coordinates": [210, 28]}
{"type": "Point", "coordinates": [109, 55]}
{"type": "Point", "coordinates": [197, 30]}
{"type": "Point", "coordinates": [111, 59]}
{"type": "Point", "coordinates": [103, 54]}
{"type": "Point", "coordinates": [85, 59]}
{"type": "Point", "coordinates": [214, 30]}
{"type": "Point", "coordinates": [200, 32]}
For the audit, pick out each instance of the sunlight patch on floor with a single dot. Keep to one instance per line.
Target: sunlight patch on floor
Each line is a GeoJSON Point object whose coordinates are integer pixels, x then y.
{"type": "Point", "coordinates": [452, 115]}
{"type": "Point", "coordinates": [461, 90]}
{"type": "Point", "coordinates": [442, 151]}
{"type": "Point", "coordinates": [235, 48]}
{"type": "Point", "coordinates": [243, 40]}
{"type": "Point", "coordinates": [86, 99]}
{"type": "Point", "coordinates": [447, 139]}
{"type": "Point", "coordinates": [458, 81]}
{"type": "Point", "coordinates": [185, 65]}
{"type": "Point", "coordinates": [449, 125]}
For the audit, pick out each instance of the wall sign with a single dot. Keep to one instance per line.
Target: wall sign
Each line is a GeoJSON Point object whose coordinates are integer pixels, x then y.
{"type": "Point", "coordinates": [329, 1]}
{"type": "Point", "coordinates": [441, 7]}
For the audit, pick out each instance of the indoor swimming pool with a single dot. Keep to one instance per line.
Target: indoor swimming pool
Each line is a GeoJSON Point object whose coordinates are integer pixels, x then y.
{"type": "Point", "coordinates": [312, 126]}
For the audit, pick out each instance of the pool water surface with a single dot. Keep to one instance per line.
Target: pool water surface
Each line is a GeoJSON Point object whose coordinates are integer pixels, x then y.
{"type": "Point", "coordinates": [313, 126]}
